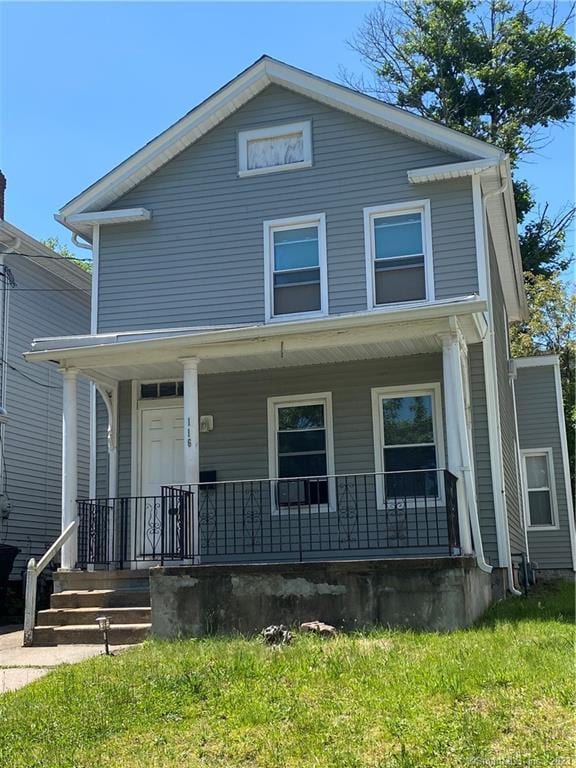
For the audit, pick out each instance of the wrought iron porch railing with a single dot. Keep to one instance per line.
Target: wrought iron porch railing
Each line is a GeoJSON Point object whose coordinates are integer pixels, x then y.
{"type": "Point", "coordinates": [307, 518]}
{"type": "Point", "coordinates": [121, 532]}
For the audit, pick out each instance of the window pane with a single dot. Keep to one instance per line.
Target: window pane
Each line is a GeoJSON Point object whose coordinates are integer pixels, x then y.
{"type": "Point", "coordinates": [167, 389]}
{"type": "Point", "coordinates": [298, 442]}
{"type": "Point", "coordinates": [398, 235]}
{"type": "Point", "coordinates": [276, 150]}
{"type": "Point", "coordinates": [299, 277]}
{"type": "Point", "coordinates": [298, 298]}
{"type": "Point", "coordinates": [408, 420]}
{"type": "Point", "coordinates": [296, 248]}
{"type": "Point", "coordinates": [537, 471]}
{"type": "Point", "coordinates": [409, 458]}
{"type": "Point", "coordinates": [411, 485]}
{"type": "Point", "coordinates": [540, 508]}
{"type": "Point", "coordinates": [149, 390]}
{"type": "Point", "coordinates": [311, 465]}
{"type": "Point", "coordinates": [301, 417]}
{"type": "Point", "coordinates": [399, 284]}
{"type": "Point", "coordinates": [302, 492]}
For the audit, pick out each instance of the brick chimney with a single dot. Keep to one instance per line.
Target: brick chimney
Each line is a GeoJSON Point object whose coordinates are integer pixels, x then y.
{"type": "Point", "coordinates": [2, 190]}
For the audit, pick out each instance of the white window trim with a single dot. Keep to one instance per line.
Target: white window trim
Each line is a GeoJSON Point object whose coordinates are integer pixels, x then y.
{"type": "Point", "coordinates": [305, 127]}
{"type": "Point", "coordinates": [408, 390]}
{"type": "Point", "coordinates": [412, 206]}
{"type": "Point", "coordinates": [274, 403]}
{"type": "Point", "coordinates": [294, 222]}
{"type": "Point", "coordinates": [548, 452]}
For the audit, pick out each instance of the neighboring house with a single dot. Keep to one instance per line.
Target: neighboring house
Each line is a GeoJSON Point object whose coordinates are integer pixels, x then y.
{"type": "Point", "coordinates": [546, 472]}
{"type": "Point", "coordinates": [40, 294]}
{"type": "Point", "coordinates": [301, 302]}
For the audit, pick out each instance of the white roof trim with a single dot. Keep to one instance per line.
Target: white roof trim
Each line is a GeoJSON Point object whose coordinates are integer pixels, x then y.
{"type": "Point", "coordinates": [237, 92]}
{"type": "Point", "coordinates": [451, 170]}
{"type": "Point", "coordinates": [80, 346]}
{"type": "Point", "coordinates": [64, 269]}
{"type": "Point", "coordinates": [120, 216]}
{"type": "Point", "coordinates": [536, 361]}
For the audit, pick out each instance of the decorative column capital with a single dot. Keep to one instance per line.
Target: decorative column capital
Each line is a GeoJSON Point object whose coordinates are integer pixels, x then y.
{"type": "Point", "coordinates": [189, 363]}
{"type": "Point", "coordinates": [69, 373]}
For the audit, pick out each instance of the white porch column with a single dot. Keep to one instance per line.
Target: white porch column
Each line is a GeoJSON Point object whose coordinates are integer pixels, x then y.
{"type": "Point", "coordinates": [69, 466]}
{"type": "Point", "coordinates": [457, 435]}
{"type": "Point", "coordinates": [192, 439]}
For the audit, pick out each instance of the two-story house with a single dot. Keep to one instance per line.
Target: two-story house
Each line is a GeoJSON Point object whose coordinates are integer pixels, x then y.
{"type": "Point", "coordinates": [301, 301]}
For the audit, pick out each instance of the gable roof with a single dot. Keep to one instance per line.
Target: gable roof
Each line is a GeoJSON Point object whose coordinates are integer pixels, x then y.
{"type": "Point", "coordinates": [221, 104]}
{"type": "Point", "coordinates": [19, 244]}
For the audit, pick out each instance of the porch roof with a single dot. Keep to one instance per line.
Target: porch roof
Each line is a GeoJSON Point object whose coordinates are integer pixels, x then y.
{"type": "Point", "coordinates": [337, 338]}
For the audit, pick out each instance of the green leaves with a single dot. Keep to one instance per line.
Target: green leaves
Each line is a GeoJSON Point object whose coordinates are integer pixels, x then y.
{"type": "Point", "coordinates": [499, 71]}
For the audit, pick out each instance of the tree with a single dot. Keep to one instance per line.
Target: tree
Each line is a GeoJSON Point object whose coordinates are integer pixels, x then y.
{"type": "Point", "coordinates": [497, 71]}
{"type": "Point", "coordinates": [62, 250]}
{"type": "Point", "coordinates": [551, 329]}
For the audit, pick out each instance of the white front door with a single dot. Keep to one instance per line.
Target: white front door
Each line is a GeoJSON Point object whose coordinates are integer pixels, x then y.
{"type": "Point", "coordinates": [161, 448]}
{"type": "Point", "coordinates": [161, 463]}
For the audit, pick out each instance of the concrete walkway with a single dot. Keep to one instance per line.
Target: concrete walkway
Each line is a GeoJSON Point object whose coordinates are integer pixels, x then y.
{"type": "Point", "coordinates": [20, 666]}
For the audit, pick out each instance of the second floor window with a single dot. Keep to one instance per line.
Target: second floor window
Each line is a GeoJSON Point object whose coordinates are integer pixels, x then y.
{"type": "Point", "coordinates": [295, 253]}
{"type": "Point", "coordinates": [398, 254]}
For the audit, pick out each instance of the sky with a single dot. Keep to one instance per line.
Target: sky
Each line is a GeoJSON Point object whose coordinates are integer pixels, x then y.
{"type": "Point", "coordinates": [83, 85]}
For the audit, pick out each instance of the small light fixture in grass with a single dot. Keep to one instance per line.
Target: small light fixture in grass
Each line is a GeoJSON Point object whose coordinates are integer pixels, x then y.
{"type": "Point", "coordinates": [104, 625]}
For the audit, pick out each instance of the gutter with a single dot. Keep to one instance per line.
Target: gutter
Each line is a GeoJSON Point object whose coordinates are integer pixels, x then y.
{"type": "Point", "coordinates": [489, 354]}
{"type": "Point", "coordinates": [339, 323]}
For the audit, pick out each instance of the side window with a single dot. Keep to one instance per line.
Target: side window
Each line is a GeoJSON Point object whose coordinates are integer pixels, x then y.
{"type": "Point", "coordinates": [539, 479]}
{"type": "Point", "coordinates": [398, 254]}
{"type": "Point", "coordinates": [295, 256]}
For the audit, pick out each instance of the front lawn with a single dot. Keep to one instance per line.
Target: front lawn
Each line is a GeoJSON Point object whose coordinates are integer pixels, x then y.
{"type": "Point", "coordinates": [500, 694]}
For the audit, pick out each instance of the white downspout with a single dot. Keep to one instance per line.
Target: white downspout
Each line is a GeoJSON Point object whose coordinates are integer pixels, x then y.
{"type": "Point", "coordinates": [454, 383]}
{"type": "Point", "coordinates": [491, 353]}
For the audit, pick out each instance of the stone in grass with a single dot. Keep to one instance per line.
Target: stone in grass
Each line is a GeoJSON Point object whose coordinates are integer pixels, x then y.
{"type": "Point", "coordinates": [276, 634]}
{"type": "Point", "coordinates": [319, 628]}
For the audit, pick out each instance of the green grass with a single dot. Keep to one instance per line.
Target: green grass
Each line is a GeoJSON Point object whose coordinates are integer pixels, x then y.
{"type": "Point", "coordinates": [499, 694]}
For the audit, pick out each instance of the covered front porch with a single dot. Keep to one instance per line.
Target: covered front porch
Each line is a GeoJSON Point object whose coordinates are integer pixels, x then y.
{"type": "Point", "coordinates": [335, 439]}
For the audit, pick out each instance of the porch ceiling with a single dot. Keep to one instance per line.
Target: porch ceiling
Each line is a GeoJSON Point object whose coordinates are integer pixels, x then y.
{"type": "Point", "coordinates": [119, 357]}
{"type": "Point", "coordinates": [280, 358]}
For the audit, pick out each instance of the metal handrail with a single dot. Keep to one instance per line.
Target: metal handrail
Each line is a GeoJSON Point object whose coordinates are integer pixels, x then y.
{"type": "Point", "coordinates": [33, 571]}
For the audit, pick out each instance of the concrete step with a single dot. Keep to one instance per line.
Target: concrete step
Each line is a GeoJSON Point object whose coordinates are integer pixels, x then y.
{"type": "Point", "coordinates": [101, 598]}
{"type": "Point", "coordinates": [80, 634]}
{"type": "Point", "coordinates": [59, 617]}
{"type": "Point", "coordinates": [81, 580]}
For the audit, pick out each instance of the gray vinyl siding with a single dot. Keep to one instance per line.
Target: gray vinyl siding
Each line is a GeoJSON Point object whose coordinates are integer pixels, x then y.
{"type": "Point", "coordinates": [124, 438]}
{"type": "Point", "coordinates": [237, 448]}
{"type": "Point", "coordinates": [33, 438]}
{"type": "Point", "coordinates": [481, 449]}
{"type": "Point", "coordinates": [507, 417]}
{"type": "Point", "coordinates": [538, 428]}
{"type": "Point", "coordinates": [200, 259]}
{"type": "Point", "coordinates": [101, 448]}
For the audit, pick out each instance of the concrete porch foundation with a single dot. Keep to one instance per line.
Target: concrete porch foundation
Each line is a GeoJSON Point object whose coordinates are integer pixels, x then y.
{"type": "Point", "coordinates": [437, 594]}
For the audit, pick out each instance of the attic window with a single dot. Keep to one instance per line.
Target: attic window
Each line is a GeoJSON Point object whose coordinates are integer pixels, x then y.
{"type": "Point", "coordinates": [280, 148]}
